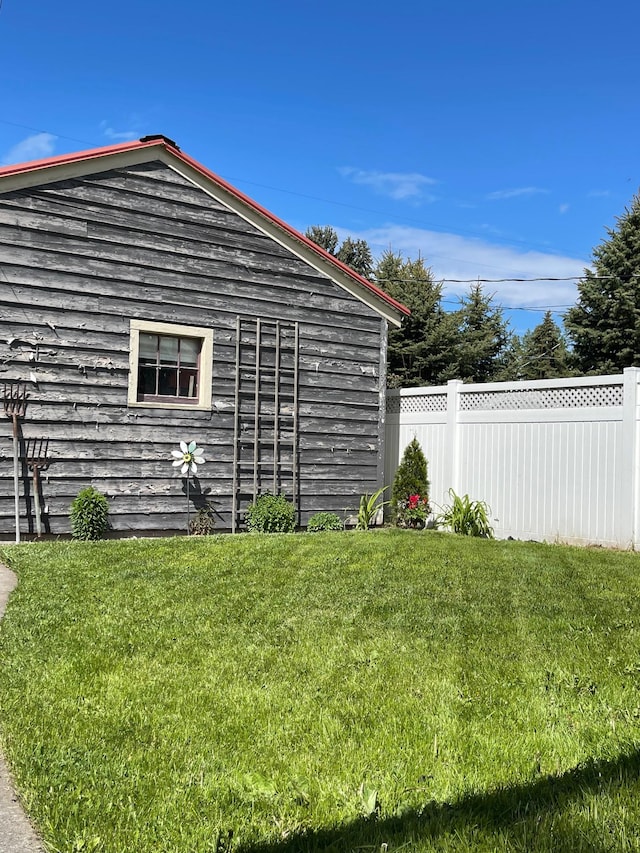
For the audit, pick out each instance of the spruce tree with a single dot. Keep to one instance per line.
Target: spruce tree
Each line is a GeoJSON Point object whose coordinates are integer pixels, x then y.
{"type": "Point", "coordinates": [324, 236]}
{"type": "Point", "coordinates": [419, 351]}
{"type": "Point", "coordinates": [357, 255]}
{"type": "Point", "coordinates": [544, 352]}
{"type": "Point", "coordinates": [483, 339]}
{"type": "Point", "coordinates": [354, 253]}
{"type": "Point", "coordinates": [604, 325]}
{"type": "Point", "coordinates": [512, 360]}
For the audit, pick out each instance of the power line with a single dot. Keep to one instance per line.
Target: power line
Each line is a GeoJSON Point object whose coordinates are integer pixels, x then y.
{"type": "Point", "coordinates": [39, 130]}
{"type": "Point", "coordinates": [503, 280]}
{"type": "Point", "coordinates": [555, 309]}
{"type": "Point", "coordinates": [378, 212]}
{"type": "Point", "coordinates": [445, 229]}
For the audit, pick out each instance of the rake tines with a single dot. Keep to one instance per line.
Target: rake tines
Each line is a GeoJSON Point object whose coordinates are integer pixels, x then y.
{"type": "Point", "coordinates": [37, 453]}
{"type": "Point", "coordinates": [14, 398]}
{"type": "Point", "coordinates": [37, 458]}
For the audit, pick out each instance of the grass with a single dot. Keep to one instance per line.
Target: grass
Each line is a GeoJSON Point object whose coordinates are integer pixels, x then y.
{"type": "Point", "coordinates": [339, 691]}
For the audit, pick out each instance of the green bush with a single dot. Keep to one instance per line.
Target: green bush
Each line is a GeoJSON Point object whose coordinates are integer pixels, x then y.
{"type": "Point", "coordinates": [89, 515]}
{"type": "Point", "coordinates": [203, 522]}
{"type": "Point", "coordinates": [324, 521]}
{"type": "Point", "coordinates": [470, 518]}
{"type": "Point", "coordinates": [271, 514]}
{"type": "Point", "coordinates": [410, 491]}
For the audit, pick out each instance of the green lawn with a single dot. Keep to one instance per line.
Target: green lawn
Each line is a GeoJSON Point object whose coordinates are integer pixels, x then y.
{"type": "Point", "coordinates": [395, 690]}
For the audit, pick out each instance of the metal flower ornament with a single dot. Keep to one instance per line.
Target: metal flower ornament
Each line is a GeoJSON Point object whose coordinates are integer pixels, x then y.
{"type": "Point", "coordinates": [188, 458]}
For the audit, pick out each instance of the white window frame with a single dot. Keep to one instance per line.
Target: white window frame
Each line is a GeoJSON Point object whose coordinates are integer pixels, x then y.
{"type": "Point", "coordinates": [205, 367]}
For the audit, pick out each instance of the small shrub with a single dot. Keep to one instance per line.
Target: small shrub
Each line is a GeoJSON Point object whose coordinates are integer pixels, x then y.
{"type": "Point", "coordinates": [271, 514]}
{"type": "Point", "coordinates": [470, 518]}
{"type": "Point", "coordinates": [203, 522]}
{"type": "Point", "coordinates": [89, 515]}
{"type": "Point", "coordinates": [370, 506]}
{"type": "Point", "coordinates": [410, 491]}
{"type": "Point", "coordinates": [324, 521]}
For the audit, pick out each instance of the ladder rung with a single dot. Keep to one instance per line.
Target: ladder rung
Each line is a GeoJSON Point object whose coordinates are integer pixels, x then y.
{"type": "Point", "coordinates": [249, 463]}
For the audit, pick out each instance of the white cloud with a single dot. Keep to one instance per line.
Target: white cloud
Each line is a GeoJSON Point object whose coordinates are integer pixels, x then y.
{"type": "Point", "coordinates": [397, 185]}
{"type": "Point", "coordinates": [564, 208]}
{"type": "Point", "coordinates": [452, 256]}
{"type": "Point", "coordinates": [515, 193]}
{"type": "Point", "coordinates": [34, 147]}
{"type": "Point", "coordinates": [598, 194]}
{"type": "Point", "coordinates": [118, 135]}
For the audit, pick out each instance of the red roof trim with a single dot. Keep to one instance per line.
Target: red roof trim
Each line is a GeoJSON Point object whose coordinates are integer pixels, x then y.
{"type": "Point", "coordinates": [78, 157]}
{"type": "Point", "coordinates": [98, 153]}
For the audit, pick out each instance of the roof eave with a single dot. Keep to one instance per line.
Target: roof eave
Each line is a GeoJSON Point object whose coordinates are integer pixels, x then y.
{"type": "Point", "coordinates": [67, 166]}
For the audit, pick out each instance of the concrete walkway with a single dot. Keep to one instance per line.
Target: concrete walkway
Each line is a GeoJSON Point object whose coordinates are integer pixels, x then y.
{"type": "Point", "coordinates": [16, 833]}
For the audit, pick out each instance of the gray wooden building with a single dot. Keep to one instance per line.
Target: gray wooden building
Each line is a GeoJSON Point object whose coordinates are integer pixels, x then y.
{"type": "Point", "coordinates": [144, 301]}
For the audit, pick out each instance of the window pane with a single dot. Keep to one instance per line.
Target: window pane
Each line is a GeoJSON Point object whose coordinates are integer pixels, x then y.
{"type": "Point", "coordinates": [189, 351]}
{"type": "Point", "coordinates": [168, 381]}
{"type": "Point", "coordinates": [168, 350]}
{"type": "Point", "coordinates": [146, 381]}
{"type": "Point", "coordinates": [148, 348]}
{"type": "Point", "coordinates": [188, 383]}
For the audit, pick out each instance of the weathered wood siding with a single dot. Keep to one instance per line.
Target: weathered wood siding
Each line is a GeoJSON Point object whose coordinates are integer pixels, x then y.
{"type": "Point", "coordinates": [79, 259]}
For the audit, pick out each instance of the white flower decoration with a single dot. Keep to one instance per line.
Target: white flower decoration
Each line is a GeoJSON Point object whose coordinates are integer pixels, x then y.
{"type": "Point", "coordinates": [188, 457]}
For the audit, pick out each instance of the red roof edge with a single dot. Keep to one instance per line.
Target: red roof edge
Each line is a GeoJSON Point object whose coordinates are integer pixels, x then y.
{"type": "Point", "coordinates": [169, 145]}
{"type": "Point", "coordinates": [79, 156]}
{"type": "Point", "coordinates": [292, 231]}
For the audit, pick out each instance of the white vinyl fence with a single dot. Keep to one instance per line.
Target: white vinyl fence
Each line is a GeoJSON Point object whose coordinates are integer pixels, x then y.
{"type": "Point", "coordinates": [556, 459]}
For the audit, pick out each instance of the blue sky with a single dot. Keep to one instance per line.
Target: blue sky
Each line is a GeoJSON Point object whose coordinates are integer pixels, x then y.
{"type": "Point", "coordinates": [497, 139]}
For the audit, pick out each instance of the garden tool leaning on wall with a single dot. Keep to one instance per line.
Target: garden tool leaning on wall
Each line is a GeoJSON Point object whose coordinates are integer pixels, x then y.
{"type": "Point", "coordinates": [15, 405]}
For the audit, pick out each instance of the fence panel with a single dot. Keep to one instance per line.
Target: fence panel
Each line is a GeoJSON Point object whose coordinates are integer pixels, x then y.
{"type": "Point", "coordinates": [556, 460]}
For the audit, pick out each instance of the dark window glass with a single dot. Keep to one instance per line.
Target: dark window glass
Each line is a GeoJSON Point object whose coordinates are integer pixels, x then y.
{"type": "Point", "coordinates": [168, 368]}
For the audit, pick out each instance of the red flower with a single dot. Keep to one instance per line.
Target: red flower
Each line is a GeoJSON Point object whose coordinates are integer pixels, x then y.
{"type": "Point", "coordinates": [414, 500]}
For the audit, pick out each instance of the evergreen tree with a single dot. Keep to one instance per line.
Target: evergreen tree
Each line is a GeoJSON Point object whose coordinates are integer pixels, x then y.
{"type": "Point", "coordinates": [410, 480]}
{"type": "Point", "coordinates": [419, 351]}
{"type": "Point", "coordinates": [604, 325]}
{"type": "Point", "coordinates": [483, 339]}
{"type": "Point", "coordinates": [513, 358]}
{"type": "Point", "coordinates": [544, 352]}
{"type": "Point", "coordinates": [357, 255]}
{"type": "Point", "coordinates": [354, 253]}
{"type": "Point", "coordinates": [324, 236]}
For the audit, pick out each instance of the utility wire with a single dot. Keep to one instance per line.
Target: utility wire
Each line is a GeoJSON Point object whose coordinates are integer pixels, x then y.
{"type": "Point", "coordinates": [39, 130]}
{"type": "Point", "coordinates": [555, 309]}
{"type": "Point", "coordinates": [477, 234]}
{"type": "Point", "coordinates": [502, 280]}
{"type": "Point", "coordinates": [381, 213]}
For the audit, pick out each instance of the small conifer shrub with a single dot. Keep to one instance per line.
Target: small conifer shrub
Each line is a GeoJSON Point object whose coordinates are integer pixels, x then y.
{"type": "Point", "coordinates": [410, 491]}
{"type": "Point", "coordinates": [89, 514]}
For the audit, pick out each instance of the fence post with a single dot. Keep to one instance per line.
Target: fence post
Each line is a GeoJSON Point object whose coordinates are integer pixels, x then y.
{"type": "Point", "coordinates": [452, 450]}
{"type": "Point", "coordinates": [629, 523]}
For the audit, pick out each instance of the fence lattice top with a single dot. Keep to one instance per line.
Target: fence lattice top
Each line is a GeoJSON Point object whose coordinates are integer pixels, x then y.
{"type": "Point", "coordinates": [543, 398]}
{"type": "Point", "coordinates": [417, 403]}
{"type": "Point", "coordinates": [582, 396]}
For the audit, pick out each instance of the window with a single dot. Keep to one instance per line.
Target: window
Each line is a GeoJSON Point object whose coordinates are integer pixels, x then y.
{"type": "Point", "coordinates": [170, 365]}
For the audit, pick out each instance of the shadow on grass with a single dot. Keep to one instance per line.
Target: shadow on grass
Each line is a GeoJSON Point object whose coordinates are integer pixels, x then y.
{"type": "Point", "coordinates": [523, 817]}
